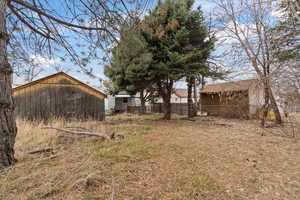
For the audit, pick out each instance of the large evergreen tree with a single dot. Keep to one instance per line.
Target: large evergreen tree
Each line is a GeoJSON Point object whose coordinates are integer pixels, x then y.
{"type": "Point", "coordinates": [169, 44]}
{"type": "Point", "coordinates": [177, 38]}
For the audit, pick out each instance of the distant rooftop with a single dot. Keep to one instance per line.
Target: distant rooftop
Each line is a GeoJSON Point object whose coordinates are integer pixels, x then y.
{"type": "Point", "coordinates": [180, 92]}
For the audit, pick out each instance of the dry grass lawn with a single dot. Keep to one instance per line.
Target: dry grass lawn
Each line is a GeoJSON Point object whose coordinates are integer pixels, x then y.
{"type": "Point", "coordinates": [206, 159]}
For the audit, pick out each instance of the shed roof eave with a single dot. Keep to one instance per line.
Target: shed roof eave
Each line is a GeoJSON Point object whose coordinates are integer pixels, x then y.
{"type": "Point", "coordinates": [232, 91]}
{"type": "Point", "coordinates": [122, 96]}
{"type": "Point", "coordinates": [20, 87]}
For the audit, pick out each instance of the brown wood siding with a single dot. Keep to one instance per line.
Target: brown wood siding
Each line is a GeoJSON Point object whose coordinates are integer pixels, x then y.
{"type": "Point", "coordinates": [234, 104]}
{"type": "Point", "coordinates": [64, 99]}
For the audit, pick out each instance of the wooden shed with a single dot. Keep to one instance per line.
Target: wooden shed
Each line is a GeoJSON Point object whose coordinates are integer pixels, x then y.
{"type": "Point", "coordinates": [58, 96]}
{"type": "Point", "coordinates": [239, 99]}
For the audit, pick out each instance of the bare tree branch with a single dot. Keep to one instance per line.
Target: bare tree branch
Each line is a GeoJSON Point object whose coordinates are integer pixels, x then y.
{"type": "Point", "coordinates": [31, 7]}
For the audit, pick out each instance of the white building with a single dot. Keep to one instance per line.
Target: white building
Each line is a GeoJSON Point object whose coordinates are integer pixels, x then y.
{"type": "Point", "coordinates": [178, 96]}
{"type": "Point", "coordinates": [120, 102]}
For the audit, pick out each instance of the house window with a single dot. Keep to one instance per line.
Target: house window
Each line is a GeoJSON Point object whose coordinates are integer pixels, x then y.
{"type": "Point", "coordinates": [125, 100]}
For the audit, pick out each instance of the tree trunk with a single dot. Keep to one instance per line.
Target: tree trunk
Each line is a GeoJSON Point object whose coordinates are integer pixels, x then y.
{"type": "Point", "coordinates": [165, 91]}
{"type": "Point", "coordinates": [274, 106]}
{"type": "Point", "coordinates": [265, 108]}
{"type": "Point", "coordinates": [8, 128]}
{"type": "Point", "coordinates": [190, 100]}
{"type": "Point", "coordinates": [143, 103]}
{"type": "Point", "coordinates": [196, 107]}
{"type": "Point", "coordinates": [202, 82]}
{"type": "Point", "coordinates": [167, 108]}
{"type": "Point", "coordinates": [270, 102]}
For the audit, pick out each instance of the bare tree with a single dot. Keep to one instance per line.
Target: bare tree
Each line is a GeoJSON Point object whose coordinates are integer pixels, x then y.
{"type": "Point", "coordinates": [8, 129]}
{"type": "Point", "coordinates": [74, 30]}
{"type": "Point", "coordinates": [29, 70]}
{"type": "Point", "coordinates": [245, 25]}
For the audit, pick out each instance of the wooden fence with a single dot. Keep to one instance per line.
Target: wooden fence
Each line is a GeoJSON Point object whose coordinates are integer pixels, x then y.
{"type": "Point", "coordinates": [176, 108]}
{"type": "Point", "coordinates": [227, 111]}
{"type": "Point", "coordinates": [136, 109]}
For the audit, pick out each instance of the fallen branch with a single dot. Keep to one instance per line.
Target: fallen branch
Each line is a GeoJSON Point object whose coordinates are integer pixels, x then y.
{"type": "Point", "coordinates": [189, 119]}
{"type": "Point", "coordinates": [41, 151]}
{"type": "Point", "coordinates": [78, 132]}
{"type": "Point", "coordinates": [86, 133]}
{"type": "Point", "coordinates": [115, 136]}
{"type": "Point", "coordinates": [110, 123]}
{"type": "Point", "coordinates": [78, 128]}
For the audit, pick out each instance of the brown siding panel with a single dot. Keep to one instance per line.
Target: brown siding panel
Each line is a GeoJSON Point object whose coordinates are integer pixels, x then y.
{"type": "Point", "coordinates": [233, 104]}
{"type": "Point", "coordinates": [58, 101]}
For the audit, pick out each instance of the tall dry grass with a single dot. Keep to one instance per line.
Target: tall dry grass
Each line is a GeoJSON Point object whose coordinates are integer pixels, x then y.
{"type": "Point", "coordinates": [32, 135]}
{"type": "Point", "coordinates": [77, 165]}
{"type": "Point", "coordinates": [210, 158]}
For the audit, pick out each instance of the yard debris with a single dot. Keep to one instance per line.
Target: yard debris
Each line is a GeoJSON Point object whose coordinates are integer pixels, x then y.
{"type": "Point", "coordinates": [78, 128]}
{"type": "Point", "coordinates": [221, 124]}
{"type": "Point", "coordinates": [110, 123]}
{"type": "Point", "coordinates": [91, 181]}
{"type": "Point", "coordinates": [189, 119]}
{"type": "Point", "coordinates": [47, 150]}
{"type": "Point", "coordinates": [216, 124]}
{"type": "Point", "coordinates": [115, 136]}
{"type": "Point", "coordinates": [253, 163]}
{"type": "Point", "coordinates": [202, 114]}
{"type": "Point", "coordinates": [86, 133]}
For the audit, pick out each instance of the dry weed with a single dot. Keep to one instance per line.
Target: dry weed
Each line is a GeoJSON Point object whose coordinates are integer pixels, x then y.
{"type": "Point", "coordinates": [207, 159]}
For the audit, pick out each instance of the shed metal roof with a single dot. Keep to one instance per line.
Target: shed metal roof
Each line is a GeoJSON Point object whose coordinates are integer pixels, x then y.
{"type": "Point", "coordinates": [235, 86]}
